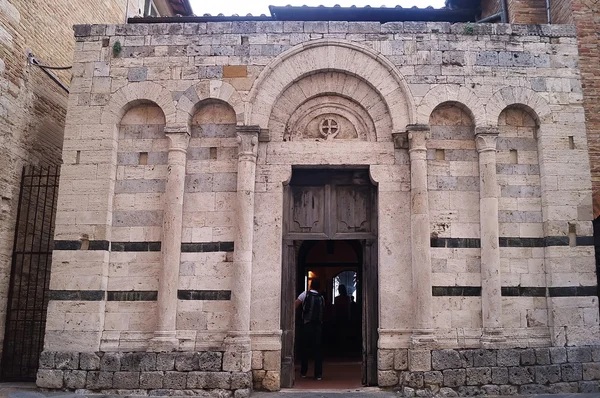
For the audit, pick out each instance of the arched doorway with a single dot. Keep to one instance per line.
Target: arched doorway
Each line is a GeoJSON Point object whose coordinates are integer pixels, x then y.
{"type": "Point", "coordinates": [330, 230]}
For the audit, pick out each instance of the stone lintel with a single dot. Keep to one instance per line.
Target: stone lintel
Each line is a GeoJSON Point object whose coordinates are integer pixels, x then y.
{"type": "Point", "coordinates": [487, 130]}
{"type": "Point", "coordinates": [417, 127]}
{"type": "Point", "coordinates": [176, 129]}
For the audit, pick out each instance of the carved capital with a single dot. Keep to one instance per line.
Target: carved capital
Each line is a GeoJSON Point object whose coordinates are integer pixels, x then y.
{"type": "Point", "coordinates": [400, 140]}
{"type": "Point", "coordinates": [178, 140]}
{"type": "Point", "coordinates": [418, 134]}
{"type": "Point", "coordinates": [486, 142]}
{"type": "Point", "coordinates": [247, 138]}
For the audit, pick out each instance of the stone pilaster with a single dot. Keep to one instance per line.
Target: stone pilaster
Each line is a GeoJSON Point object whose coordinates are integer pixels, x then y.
{"type": "Point", "coordinates": [491, 297]}
{"type": "Point", "coordinates": [238, 355]}
{"type": "Point", "coordinates": [165, 338]}
{"type": "Point", "coordinates": [420, 236]}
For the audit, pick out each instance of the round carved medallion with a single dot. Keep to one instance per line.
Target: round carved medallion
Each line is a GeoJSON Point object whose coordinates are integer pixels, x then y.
{"type": "Point", "coordinates": [329, 128]}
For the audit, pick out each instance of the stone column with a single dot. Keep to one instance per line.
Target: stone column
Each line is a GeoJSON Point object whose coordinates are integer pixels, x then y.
{"type": "Point", "coordinates": [238, 355]}
{"type": "Point", "coordinates": [420, 236]}
{"type": "Point", "coordinates": [491, 297]}
{"type": "Point", "coordinates": [165, 338]}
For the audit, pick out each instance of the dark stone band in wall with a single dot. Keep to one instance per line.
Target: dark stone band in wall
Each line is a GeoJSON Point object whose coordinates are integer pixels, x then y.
{"type": "Point", "coordinates": [135, 246]}
{"type": "Point", "coordinates": [203, 247]}
{"type": "Point", "coordinates": [204, 294]}
{"type": "Point", "coordinates": [140, 295]}
{"type": "Point", "coordinates": [456, 291]}
{"type": "Point", "coordinates": [206, 247]}
{"type": "Point", "coordinates": [573, 291]}
{"type": "Point", "coordinates": [76, 245]}
{"type": "Point", "coordinates": [452, 243]}
{"type": "Point", "coordinates": [76, 295]}
{"type": "Point", "coordinates": [520, 291]}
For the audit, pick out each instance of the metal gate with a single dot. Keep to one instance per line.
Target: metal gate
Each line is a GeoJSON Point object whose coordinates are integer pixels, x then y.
{"type": "Point", "coordinates": [30, 273]}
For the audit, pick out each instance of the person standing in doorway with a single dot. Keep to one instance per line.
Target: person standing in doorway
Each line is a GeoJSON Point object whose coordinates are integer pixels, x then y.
{"type": "Point", "coordinates": [313, 306]}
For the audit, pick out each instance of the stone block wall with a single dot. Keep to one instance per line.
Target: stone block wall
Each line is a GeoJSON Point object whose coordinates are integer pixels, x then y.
{"type": "Point", "coordinates": [451, 373]}
{"type": "Point", "coordinates": [142, 373]}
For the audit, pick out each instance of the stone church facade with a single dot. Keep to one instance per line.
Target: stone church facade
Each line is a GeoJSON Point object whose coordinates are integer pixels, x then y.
{"type": "Point", "coordinates": [452, 157]}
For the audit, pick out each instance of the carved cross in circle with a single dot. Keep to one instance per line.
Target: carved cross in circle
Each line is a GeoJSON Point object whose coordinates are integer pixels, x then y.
{"type": "Point", "coordinates": [329, 128]}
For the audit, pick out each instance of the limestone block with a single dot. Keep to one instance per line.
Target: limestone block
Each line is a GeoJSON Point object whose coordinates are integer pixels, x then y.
{"type": "Point", "coordinates": [579, 354]}
{"type": "Point", "coordinates": [528, 357]}
{"type": "Point", "coordinates": [478, 376]}
{"type": "Point", "coordinates": [257, 360]}
{"type": "Point", "coordinates": [151, 380]}
{"type": "Point", "coordinates": [591, 371]}
{"type": "Point", "coordinates": [210, 361]}
{"type": "Point", "coordinates": [542, 356]}
{"type": "Point", "coordinates": [126, 380]}
{"type": "Point", "coordinates": [175, 380]}
{"type": "Point", "coordinates": [401, 359]}
{"type": "Point", "coordinates": [218, 380]}
{"type": "Point", "coordinates": [446, 359]}
{"type": "Point", "coordinates": [241, 380]}
{"type": "Point", "coordinates": [387, 378]}
{"type": "Point", "coordinates": [165, 361]}
{"type": "Point", "coordinates": [111, 362]}
{"type": "Point", "coordinates": [99, 380]}
{"type": "Point", "coordinates": [435, 378]}
{"type": "Point", "coordinates": [66, 360]}
{"type": "Point", "coordinates": [454, 377]}
{"type": "Point", "coordinates": [272, 360]}
{"type": "Point", "coordinates": [47, 360]}
{"type": "Point", "coordinates": [412, 379]}
{"type": "Point", "coordinates": [242, 393]}
{"type": "Point", "coordinates": [385, 359]}
{"type": "Point", "coordinates": [419, 360]}
{"type": "Point", "coordinates": [187, 361]}
{"type": "Point", "coordinates": [271, 381]}
{"type": "Point", "coordinates": [588, 387]}
{"type": "Point", "coordinates": [499, 375]}
{"type": "Point", "coordinates": [48, 378]}
{"type": "Point", "coordinates": [521, 375]}
{"type": "Point", "coordinates": [564, 388]}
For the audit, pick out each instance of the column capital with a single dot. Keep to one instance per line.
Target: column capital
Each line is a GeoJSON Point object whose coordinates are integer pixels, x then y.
{"type": "Point", "coordinates": [485, 139]}
{"type": "Point", "coordinates": [418, 134]}
{"type": "Point", "coordinates": [178, 139]}
{"type": "Point", "coordinates": [247, 138]}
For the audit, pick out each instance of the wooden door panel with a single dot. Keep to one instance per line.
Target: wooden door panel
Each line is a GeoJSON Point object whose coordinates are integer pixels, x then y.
{"type": "Point", "coordinates": [352, 209]}
{"type": "Point", "coordinates": [307, 213]}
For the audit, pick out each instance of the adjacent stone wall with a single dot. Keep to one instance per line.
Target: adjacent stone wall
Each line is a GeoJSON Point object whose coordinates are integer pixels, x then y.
{"type": "Point", "coordinates": [451, 373]}
{"type": "Point", "coordinates": [142, 373]}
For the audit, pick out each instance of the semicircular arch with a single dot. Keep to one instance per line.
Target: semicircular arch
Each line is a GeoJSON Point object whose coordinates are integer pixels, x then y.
{"type": "Point", "coordinates": [196, 95]}
{"type": "Point", "coordinates": [135, 93]}
{"type": "Point", "coordinates": [511, 96]}
{"type": "Point", "coordinates": [328, 54]}
{"type": "Point", "coordinates": [451, 93]}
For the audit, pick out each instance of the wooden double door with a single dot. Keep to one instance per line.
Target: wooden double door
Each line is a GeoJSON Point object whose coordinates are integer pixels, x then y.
{"type": "Point", "coordinates": [330, 205]}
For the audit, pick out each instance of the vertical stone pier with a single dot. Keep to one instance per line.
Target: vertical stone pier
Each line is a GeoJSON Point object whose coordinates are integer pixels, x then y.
{"type": "Point", "coordinates": [165, 338]}
{"type": "Point", "coordinates": [491, 297]}
{"type": "Point", "coordinates": [422, 335]}
{"type": "Point", "coordinates": [238, 355]}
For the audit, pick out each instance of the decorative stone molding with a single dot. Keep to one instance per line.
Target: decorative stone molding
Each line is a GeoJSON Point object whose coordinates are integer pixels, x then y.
{"type": "Point", "coordinates": [523, 96]}
{"type": "Point", "coordinates": [316, 56]}
{"type": "Point", "coordinates": [400, 140]}
{"type": "Point", "coordinates": [194, 96]}
{"type": "Point", "coordinates": [451, 93]}
{"type": "Point", "coordinates": [486, 138]}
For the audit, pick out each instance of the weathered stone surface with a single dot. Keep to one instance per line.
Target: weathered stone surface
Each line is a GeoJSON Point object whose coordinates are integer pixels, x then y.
{"type": "Point", "coordinates": [271, 360]}
{"type": "Point", "coordinates": [187, 361]}
{"type": "Point", "coordinates": [89, 361]}
{"type": "Point", "coordinates": [151, 380]}
{"type": "Point", "coordinates": [588, 387]}
{"type": "Point", "coordinates": [66, 360]}
{"type": "Point", "coordinates": [165, 361]}
{"type": "Point", "coordinates": [446, 392]}
{"type": "Point", "coordinates": [446, 359]}
{"type": "Point", "coordinates": [563, 388]}
{"type": "Point", "coordinates": [467, 358]}
{"type": "Point", "coordinates": [571, 371]}
{"type": "Point", "coordinates": [591, 371]}
{"type": "Point", "coordinates": [490, 389]}
{"type": "Point", "coordinates": [98, 380]}
{"type": "Point", "coordinates": [240, 380]}
{"type": "Point", "coordinates": [111, 362]}
{"type": "Point", "coordinates": [521, 375]}
{"type": "Point", "coordinates": [75, 379]}
{"type": "Point", "coordinates": [49, 378]}
{"type": "Point", "coordinates": [412, 379]}
{"type": "Point", "coordinates": [484, 358]}
{"type": "Point", "coordinates": [385, 360]}
{"type": "Point", "coordinates": [175, 380]}
{"type": "Point", "coordinates": [126, 380]}
{"type": "Point", "coordinates": [478, 376]}
{"type": "Point", "coordinates": [387, 378]}
{"type": "Point", "coordinates": [547, 374]}
{"type": "Point", "coordinates": [271, 381]}
{"type": "Point", "coordinates": [508, 358]}
{"type": "Point", "coordinates": [542, 356]}
{"type": "Point", "coordinates": [197, 380]}
{"type": "Point", "coordinates": [419, 360]}
{"type": "Point", "coordinates": [596, 353]}
{"type": "Point", "coordinates": [558, 355]}
{"type": "Point", "coordinates": [210, 361]}
{"type": "Point", "coordinates": [47, 360]}
{"type": "Point", "coordinates": [533, 389]}
{"type": "Point", "coordinates": [433, 377]}
{"type": "Point", "coordinates": [138, 361]}
{"type": "Point", "coordinates": [508, 390]}
{"type": "Point", "coordinates": [400, 359]}
{"type": "Point", "coordinates": [408, 392]}
{"type": "Point", "coordinates": [528, 357]}
{"type": "Point", "coordinates": [579, 354]}
{"type": "Point", "coordinates": [454, 377]}
{"type": "Point", "coordinates": [242, 393]}
{"type": "Point", "coordinates": [500, 375]}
